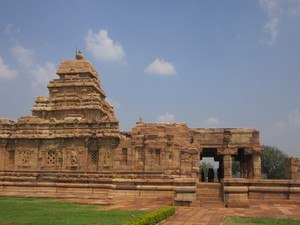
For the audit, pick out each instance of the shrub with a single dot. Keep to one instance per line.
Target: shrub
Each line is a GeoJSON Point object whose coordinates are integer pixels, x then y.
{"type": "Point", "coordinates": [154, 217]}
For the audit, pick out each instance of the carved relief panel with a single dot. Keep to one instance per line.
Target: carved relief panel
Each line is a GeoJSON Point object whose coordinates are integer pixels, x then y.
{"type": "Point", "coordinates": [153, 159]}
{"type": "Point", "coordinates": [139, 158]}
{"type": "Point", "coordinates": [107, 158]}
{"type": "Point", "coordinates": [25, 157]}
{"type": "Point", "coordinates": [189, 162]}
{"type": "Point", "coordinates": [73, 158]}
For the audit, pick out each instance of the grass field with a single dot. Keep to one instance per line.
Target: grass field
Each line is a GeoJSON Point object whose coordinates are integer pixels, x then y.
{"type": "Point", "coordinates": [264, 221]}
{"type": "Point", "coordinates": [38, 211]}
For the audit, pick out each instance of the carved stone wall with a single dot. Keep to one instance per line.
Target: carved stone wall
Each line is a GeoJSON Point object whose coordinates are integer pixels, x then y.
{"type": "Point", "coordinates": [75, 130]}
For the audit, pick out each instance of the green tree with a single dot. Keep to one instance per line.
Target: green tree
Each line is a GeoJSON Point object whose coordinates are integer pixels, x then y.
{"type": "Point", "coordinates": [235, 167]}
{"type": "Point", "coordinates": [273, 162]}
{"type": "Point", "coordinates": [205, 166]}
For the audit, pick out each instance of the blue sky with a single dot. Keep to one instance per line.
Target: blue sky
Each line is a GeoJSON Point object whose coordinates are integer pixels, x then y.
{"type": "Point", "coordinates": [207, 63]}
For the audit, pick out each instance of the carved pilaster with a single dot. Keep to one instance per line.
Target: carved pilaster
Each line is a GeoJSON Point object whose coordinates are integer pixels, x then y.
{"type": "Point", "coordinates": [3, 145]}
{"type": "Point", "coordinates": [256, 167]}
{"type": "Point", "coordinates": [227, 166]}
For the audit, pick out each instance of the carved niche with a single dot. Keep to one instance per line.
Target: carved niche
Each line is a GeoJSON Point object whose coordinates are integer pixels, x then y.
{"type": "Point", "coordinates": [23, 160]}
{"type": "Point", "coordinates": [25, 157]}
{"type": "Point", "coordinates": [107, 158]}
{"type": "Point", "coordinates": [73, 156]}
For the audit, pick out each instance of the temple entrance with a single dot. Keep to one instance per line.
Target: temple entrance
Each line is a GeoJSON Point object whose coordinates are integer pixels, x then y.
{"type": "Point", "coordinates": [209, 188]}
{"type": "Point", "coordinates": [242, 164]}
{"type": "Point", "coordinates": [211, 169]}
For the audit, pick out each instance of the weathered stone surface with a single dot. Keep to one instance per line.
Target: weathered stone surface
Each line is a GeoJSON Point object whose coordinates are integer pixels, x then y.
{"type": "Point", "coordinates": [292, 168]}
{"type": "Point", "coordinates": [237, 200]}
{"type": "Point", "coordinates": [72, 143]}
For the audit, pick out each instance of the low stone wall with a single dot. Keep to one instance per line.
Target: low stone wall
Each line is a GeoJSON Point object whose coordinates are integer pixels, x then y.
{"type": "Point", "coordinates": [238, 192]}
{"type": "Point", "coordinates": [184, 195]}
{"type": "Point", "coordinates": [95, 185]}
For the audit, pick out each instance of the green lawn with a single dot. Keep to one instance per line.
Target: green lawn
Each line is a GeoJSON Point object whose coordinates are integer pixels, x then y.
{"type": "Point", "coordinates": [39, 211]}
{"type": "Point", "coordinates": [264, 221]}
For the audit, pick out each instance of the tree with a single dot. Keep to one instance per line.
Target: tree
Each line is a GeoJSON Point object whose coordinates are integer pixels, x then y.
{"type": "Point", "coordinates": [235, 167]}
{"type": "Point", "coordinates": [273, 162]}
{"type": "Point", "coordinates": [205, 166]}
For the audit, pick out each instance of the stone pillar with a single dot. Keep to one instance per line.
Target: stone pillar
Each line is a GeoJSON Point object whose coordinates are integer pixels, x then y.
{"type": "Point", "coordinates": [244, 167]}
{"type": "Point", "coordinates": [292, 168]}
{"type": "Point", "coordinates": [287, 172]}
{"type": "Point", "coordinates": [227, 166]}
{"type": "Point", "coordinates": [2, 151]}
{"type": "Point", "coordinates": [196, 166]}
{"type": "Point", "coordinates": [148, 154]}
{"type": "Point", "coordinates": [256, 167]}
{"type": "Point", "coordinates": [221, 165]}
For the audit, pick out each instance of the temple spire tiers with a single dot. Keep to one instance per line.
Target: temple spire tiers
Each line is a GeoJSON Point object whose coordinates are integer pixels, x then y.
{"type": "Point", "coordinates": [75, 99]}
{"type": "Point", "coordinates": [76, 91]}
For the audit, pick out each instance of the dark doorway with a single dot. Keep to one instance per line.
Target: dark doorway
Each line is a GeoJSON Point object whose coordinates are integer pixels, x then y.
{"type": "Point", "coordinates": [210, 165]}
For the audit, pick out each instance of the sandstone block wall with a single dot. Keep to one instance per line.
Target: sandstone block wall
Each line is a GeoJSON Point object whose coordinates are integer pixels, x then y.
{"type": "Point", "coordinates": [292, 168]}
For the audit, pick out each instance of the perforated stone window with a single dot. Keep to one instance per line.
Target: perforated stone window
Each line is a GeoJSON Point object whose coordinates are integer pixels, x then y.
{"type": "Point", "coordinates": [157, 156]}
{"type": "Point", "coordinates": [124, 156]}
{"type": "Point", "coordinates": [140, 154]}
{"type": "Point", "coordinates": [11, 157]}
{"type": "Point", "coordinates": [94, 157]}
{"type": "Point", "coordinates": [51, 158]}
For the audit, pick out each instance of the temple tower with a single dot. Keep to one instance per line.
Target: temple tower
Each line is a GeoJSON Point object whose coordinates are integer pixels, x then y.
{"type": "Point", "coordinates": [77, 93]}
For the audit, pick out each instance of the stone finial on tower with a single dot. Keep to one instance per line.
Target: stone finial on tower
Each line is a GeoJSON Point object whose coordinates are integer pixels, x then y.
{"type": "Point", "coordinates": [79, 55]}
{"type": "Point", "coordinates": [140, 122]}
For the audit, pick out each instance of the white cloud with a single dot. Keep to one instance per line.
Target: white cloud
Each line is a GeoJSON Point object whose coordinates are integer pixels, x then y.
{"type": "Point", "coordinates": [270, 30]}
{"type": "Point", "coordinates": [161, 67]}
{"type": "Point", "coordinates": [292, 121]}
{"type": "Point", "coordinates": [10, 28]}
{"type": "Point", "coordinates": [113, 102]}
{"type": "Point", "coordinates": [166, 118]}
{"type": "Point", "coordinates": [211, 122]}
{"type": "Point", "coordinates": [40, 74]}
{"type": "Point", "coordinates": [24, 56]}
{"type": "Point", "coordinates": [294, 118]}
{"type": "Point", "coordinates": [5, 71]}
{"type": "Point", "coordinates": [102, 47]}
{"type": "Point", "coordinates": [279, 125]}
{"type": "Point", "coordinates": [275, 9]}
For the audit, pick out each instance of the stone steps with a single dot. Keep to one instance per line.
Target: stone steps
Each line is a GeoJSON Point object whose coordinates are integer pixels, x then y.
{"type": "Point", "coordinates": [209, 194]}
{"type": "Point", "coordinates": [206, 185]}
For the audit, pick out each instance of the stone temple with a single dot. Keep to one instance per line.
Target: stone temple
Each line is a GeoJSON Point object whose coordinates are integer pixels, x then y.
{"type": "Point", "coordinates": [72, 144]}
